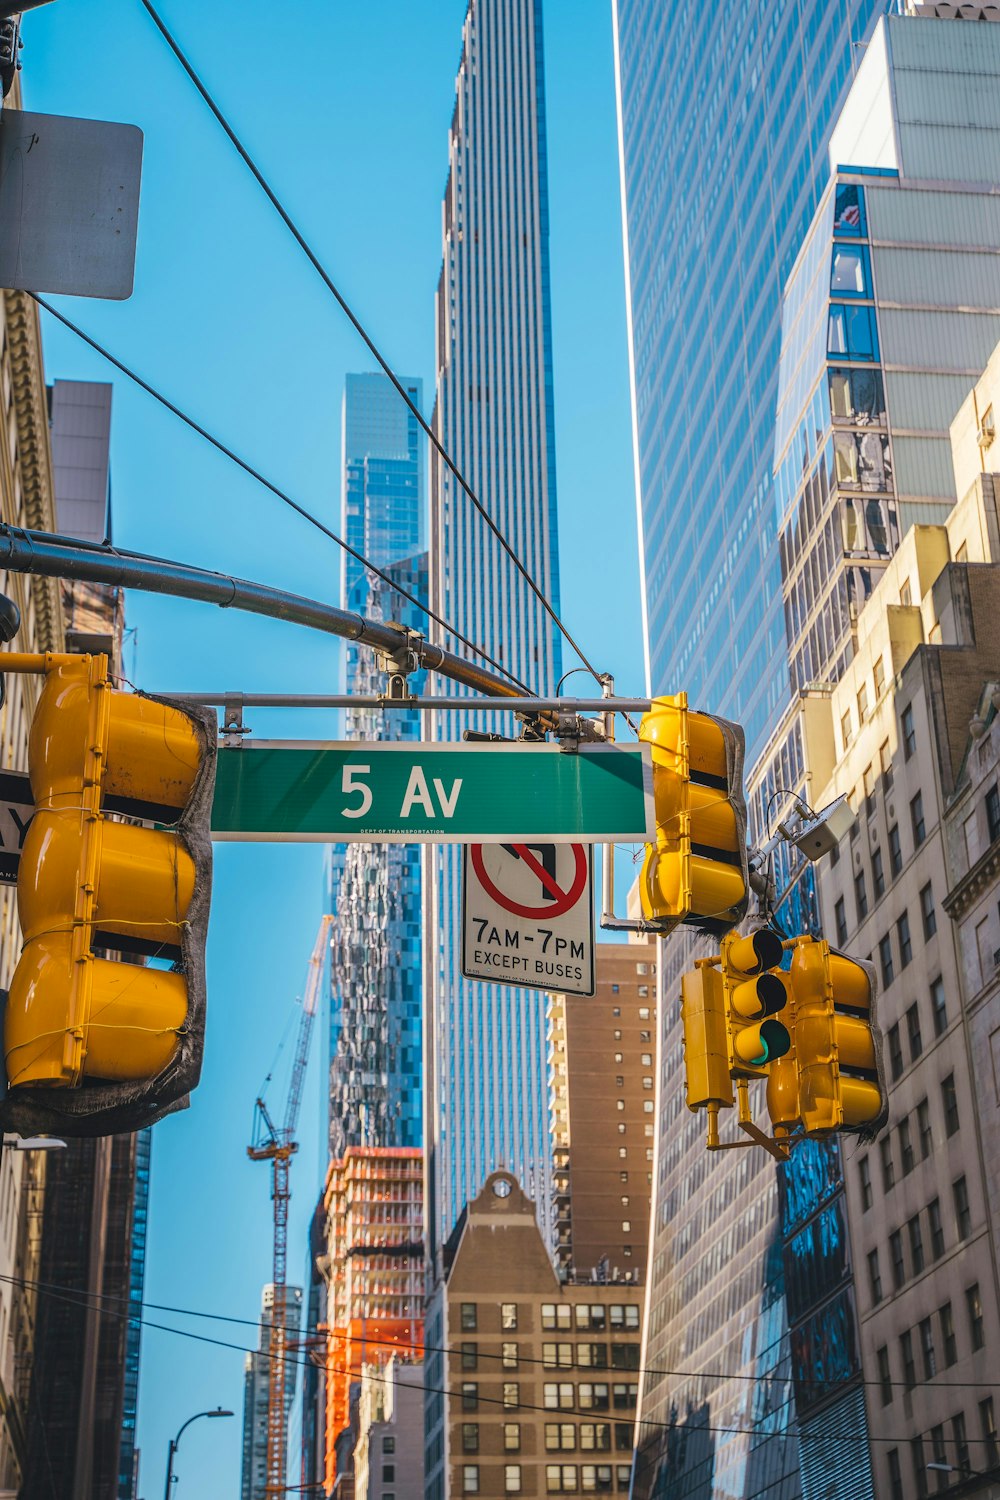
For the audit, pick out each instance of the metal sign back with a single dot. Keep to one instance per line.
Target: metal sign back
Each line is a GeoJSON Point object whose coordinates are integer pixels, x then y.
{"type": "Point", "coordinates": [528, 915]}
{"type": "Point", "coordinates": [69, 204]}
{"type": "Point", "coordinates": [17, 807]}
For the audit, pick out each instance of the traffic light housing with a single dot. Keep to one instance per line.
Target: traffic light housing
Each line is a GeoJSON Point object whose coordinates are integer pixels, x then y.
{"type": "Point", "coordinates": [832, 1077]}
{"type": "Point", "coordinates": [706, 1051]}
{"type": "Point", "coordinates": [696, 872]}
{"type": "Point", "coordinates": [96, 1044]}
{"type": "Point", "coordinates": [756, 996]}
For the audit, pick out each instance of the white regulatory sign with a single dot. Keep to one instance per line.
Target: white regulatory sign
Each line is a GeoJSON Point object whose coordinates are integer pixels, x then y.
{"type": "Point", "coordinates": [528, 915]}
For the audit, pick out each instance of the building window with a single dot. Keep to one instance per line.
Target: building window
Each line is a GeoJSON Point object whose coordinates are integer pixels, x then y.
{"type": "Point", "coordinates": [963, 1214]}
{"type": "Point", "coordinates": [470, 1437]}
{"type": "Point", "coordinates": [885, 1376]}
{"type": "Point", "coordinates": [948, 1342]}
{"type": "Point", "coordinates": [974, 1304]}
{"type": "Point", "coordinates": [988, 1427]}
{"type": "Point", "coordinates": [885, 960]}
{"type": "Point", "coordinates": [949, 1098]}
{"type": "Point", "coordinates": [937, 1229]}
{"type": "Point", "coordinates": [879, 677]}
{"type": "Point", "coordinates": [860, 897]}
{"type": "Point", "coordinates": [388, 1473]}
{"type": "Point", "coordinates": [512, 1437]}
{"type": "Point", "coordinates": [845, 728]}
{"type": "Point", "coordinates": [917, 820]}
{"type": "Point", "coordinates": [939, 1008]}
{"type": "Point", "coordinates": [888, 1171]}
{"type": "Point", "coordinates": [927, 913]}
{"type": "Point", "coordinates": [895, 851]}
{"type": "Point", "coordinates": [896, 1254]}
{"type": "Point", "coordinates": [624, 1396]}
{"type": "Point", "coordinates": [840, 919]}
{"type": "Point", "coordinates": [509, 1357]}
{"type": "Point", "coordinates": [878, 874]}
{"type": "Point", "coordinates": [909, 1365]}
{"type": "Point", "coordinates": [895, 1052]}
{"type": "Point", "coordinates": [993, 813]}
{"type": "Point", "coordinates": [470, 1395]}
{"type": "Point", "coordinates": [874, 1276]}
{"type": "Point", "coordinates": [470, 1353]}
{"type": "Point", "coordinates": [468, 1317]}
{"type": "Point", "coordinates": [865, 1180]}
{"type": "Point", "coordinates": [868, 782]}
{"type": "Point", "coordinates": [388, 1445]}
{"type": "Point", "coordinates": [512, 1479]}
{"type": "Point", "coordinates": [470, 1479]}
{"type": "Point", "coordinates": [508, 1315]}
{"type": "Point", "coordinates": [895, 1475]}
{"type": "Point", "coordinates": [938, 1448]}
{"type": "Point", "coordinates": [511, 1394]}
{"type": "Point", "coordinates": [924, 1129]}
{"type": "Point", "coordinates": [960, 1440]}
{"type": "Point", "coordinates": [863, 703]}
{"type": "Point", "coordinates": [909, 731]}
{"type": "Point", "coordinates": [560, 1479]}
{"type": "Point", "coordinates": [903, 938]}
{"type": "Point", "coordinates": [919, 1467]}
{"type": "Point", "coordinates": [907, 1158]}
{"type": "Point", "coordinates": [916, 1243]}
{"type": "Point", "coordinates": [913, 1032]}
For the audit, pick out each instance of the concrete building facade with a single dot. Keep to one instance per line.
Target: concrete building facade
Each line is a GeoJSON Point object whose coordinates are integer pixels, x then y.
{"type": "Point", "coordinates": [532, 1377]}
{"type": "Point", "coordinates": [389, 1452]}
{"type": "Point", "coordinates": [602, 1075]}
{"type": "Point", "coordinates": [256, 1371]}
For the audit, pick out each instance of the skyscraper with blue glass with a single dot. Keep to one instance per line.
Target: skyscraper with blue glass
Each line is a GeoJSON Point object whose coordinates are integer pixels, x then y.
{"type": "Point", "coordinates": [484, 1045]}
{"type": "Point", "coordinates": [375, 1092]}
{"type": "Point", "coordinates": [725, 115]}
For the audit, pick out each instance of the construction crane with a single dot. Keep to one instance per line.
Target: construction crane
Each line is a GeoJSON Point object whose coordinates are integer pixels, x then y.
{"type": "Point", "coordinates": [278, 1145]}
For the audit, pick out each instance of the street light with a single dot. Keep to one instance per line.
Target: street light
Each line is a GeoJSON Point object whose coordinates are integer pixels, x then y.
{"type": "Point", "coordinates": [175, 1441]}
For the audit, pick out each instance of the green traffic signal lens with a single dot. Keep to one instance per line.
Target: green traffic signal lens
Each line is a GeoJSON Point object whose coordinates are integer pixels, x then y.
{"type": "Point", "coordinates": [775, 1039]}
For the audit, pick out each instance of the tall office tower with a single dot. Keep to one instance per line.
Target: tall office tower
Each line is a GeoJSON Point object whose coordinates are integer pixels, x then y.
{"type": "Point", "coordinates": [484, 1045]}
{"type": "Point", "coordinates": [915, 887]}
{"type": "Point", "coordinates": [375, 1093]}
{"type": "Point", "coordinates": [724, 119]}
{"type": "Point", "coordinates": [256, 1370]}
{"type": "Point", "coordinates": [531, 1375]}
{"type": "Point", "coordinates": [374, 1267]}
{"type": "Point", "coordinates": [601, 1103]}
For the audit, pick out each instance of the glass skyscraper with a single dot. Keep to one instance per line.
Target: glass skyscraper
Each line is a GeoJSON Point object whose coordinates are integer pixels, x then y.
{"type": "Point", "coordinates": [375, 1093]}
{"type": "Point", "coordinates": [725, 117]}
{"type": "Point", "coordinates": [485, 1069]}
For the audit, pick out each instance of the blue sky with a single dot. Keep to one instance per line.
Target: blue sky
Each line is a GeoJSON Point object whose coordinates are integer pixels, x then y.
{"type": "Point", "coordinates": [346, 108]}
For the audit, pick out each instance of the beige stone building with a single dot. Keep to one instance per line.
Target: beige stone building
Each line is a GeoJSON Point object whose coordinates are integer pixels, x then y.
{"type": "Point", "coordinates": [914, 888]}
{"type": "Point", "coordinates": [532, 1379]}
{"type": "Point", "coordinates": [26, 499]}
{"type": "Point", "coordinates": [602, 1078]}
{"type": "Point", "coordinates": [389, 1451]}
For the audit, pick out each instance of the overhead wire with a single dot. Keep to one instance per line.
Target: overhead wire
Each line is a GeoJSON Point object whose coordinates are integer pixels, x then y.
{"type": "Point", "coordinates": [522, 1359]}
{"type": "Point", "coordinates": [555, 1414]}
{"type": "Point", "coordinates": [275, 489]}
{"type": "Point", "coordinates": [359, 328]}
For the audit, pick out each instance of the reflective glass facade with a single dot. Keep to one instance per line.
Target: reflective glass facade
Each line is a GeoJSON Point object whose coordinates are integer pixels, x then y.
{"type": "Point", "coordinates": [725, 114]}
{"type": "Point", "coordinates": [724, 121]}
{"type": "Point", "coordinates": [375, 889]}
{"type": "Point", "coordinates": [485, 1065]}
{"type": "Point", "coordinates": [136, 1281]}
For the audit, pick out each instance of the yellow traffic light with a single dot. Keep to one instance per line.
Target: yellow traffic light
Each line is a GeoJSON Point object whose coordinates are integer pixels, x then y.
{"type": "Point", "coordinates": [756, 995]}
{"type": "Point", "coordinates": [706, 1052]}
{"type": "Point", "coordinates": [696, 872]}
{"type": "Point", "coordinates": [832, 1078]}
{"type": "Point", "coordinates": [87, 882]}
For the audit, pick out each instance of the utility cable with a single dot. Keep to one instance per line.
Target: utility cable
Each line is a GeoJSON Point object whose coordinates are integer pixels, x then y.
{"type": "Point", "coordinates": [522, 1359]}
{"type": "Point", "coordinates": [359, 328]}
{"type": "Point", "coordinates": [555, 1414]}
{"type": "Point", "coordinates": [268, 484]}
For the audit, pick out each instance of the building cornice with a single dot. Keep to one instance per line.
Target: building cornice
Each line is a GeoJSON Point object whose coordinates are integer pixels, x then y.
{"type": "Point", "coordinates": [982, 878]}
{"type": "Point", "coordinates": [34, 458]}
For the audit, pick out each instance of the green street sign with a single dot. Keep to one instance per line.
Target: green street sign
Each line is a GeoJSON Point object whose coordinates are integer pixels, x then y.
{"type": "Point", "coordinates": [313, 791]}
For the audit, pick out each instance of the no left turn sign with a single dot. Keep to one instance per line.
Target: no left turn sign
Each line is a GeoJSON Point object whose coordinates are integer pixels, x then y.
{"type": "Point", "coordinates": [528, 915]}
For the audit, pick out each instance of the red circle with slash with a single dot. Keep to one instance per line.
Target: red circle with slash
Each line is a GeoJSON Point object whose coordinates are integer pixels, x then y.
{"type": "Point", "coordinates": [562, 901]}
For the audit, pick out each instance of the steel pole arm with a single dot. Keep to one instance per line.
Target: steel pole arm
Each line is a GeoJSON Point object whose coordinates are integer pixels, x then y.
{"type": "Point", "coordinates": [47, 555]}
